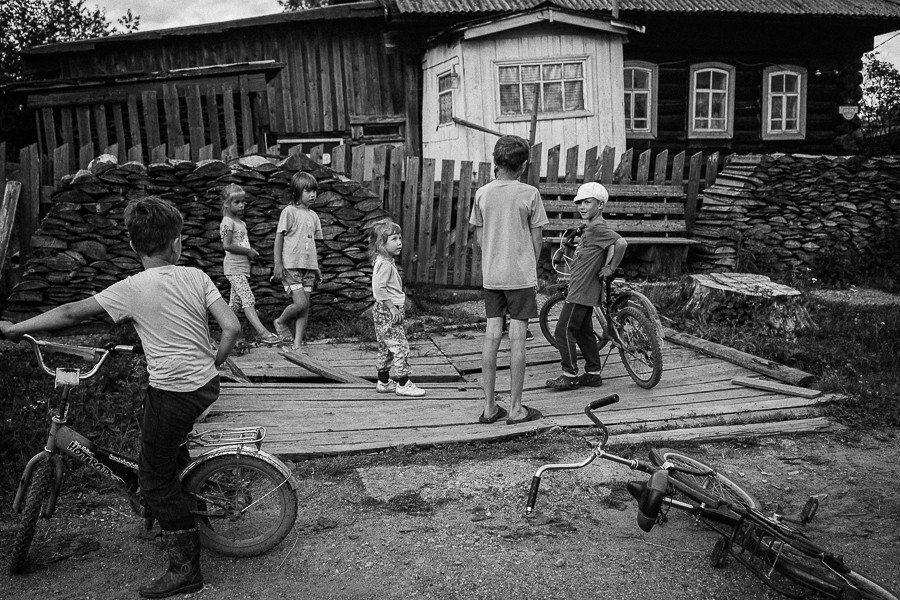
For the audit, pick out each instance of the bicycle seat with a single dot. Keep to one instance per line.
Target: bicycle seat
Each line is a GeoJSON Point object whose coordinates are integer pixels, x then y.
{"type": "Point", "coordinates": [649, 495]}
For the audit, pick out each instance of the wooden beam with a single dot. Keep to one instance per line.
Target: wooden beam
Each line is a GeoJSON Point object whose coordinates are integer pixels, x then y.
{"type": "Point", "coordinates": [8, 216]}
{"type": "Point", "coordinates": [772, 386]}
{"type": "Point", "coordinates": [322, 369]}
{"type": "Point", "coordinates": [727, 432]}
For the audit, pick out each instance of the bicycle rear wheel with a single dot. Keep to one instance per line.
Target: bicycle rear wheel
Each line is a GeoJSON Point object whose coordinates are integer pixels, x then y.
{"type": "Point", "coordinates": [707, 489]}
{"type": "Point", "coordinates": [38, 489]}
{"type": "Point", "coordinates": [244, 505]}
{"type": "Point", "coordinates": [641, 353]}
{"type": "Point", "coordinates": [549, 317]}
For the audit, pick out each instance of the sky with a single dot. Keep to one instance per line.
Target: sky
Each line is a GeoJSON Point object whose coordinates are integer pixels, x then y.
{"type": "Point", "coordinates": [164, 14]}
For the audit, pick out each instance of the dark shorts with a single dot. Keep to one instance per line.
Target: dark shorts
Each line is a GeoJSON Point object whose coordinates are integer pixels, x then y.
{"type": "Point", "coordinates": [518, 304]}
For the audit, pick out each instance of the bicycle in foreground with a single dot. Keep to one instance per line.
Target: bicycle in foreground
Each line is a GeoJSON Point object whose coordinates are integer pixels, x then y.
{"type": "Point", "coordinates": [627, 319]}
{"type": "Point", "coordinates": [776, 552]}
{"type": "Point", "coordinates": [244, 499]}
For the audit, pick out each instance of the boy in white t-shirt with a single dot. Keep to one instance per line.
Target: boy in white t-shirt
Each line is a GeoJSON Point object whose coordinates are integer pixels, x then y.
{"type": "Point", "coordinates": [169, 307]}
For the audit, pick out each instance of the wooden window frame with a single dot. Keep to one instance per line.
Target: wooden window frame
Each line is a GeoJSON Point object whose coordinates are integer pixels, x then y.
{"type": "Point", "coordinates": [449, 91]}
{"type": "Point", "coordinates": [542, 115]}
{"type": "Point", "coordinates": [767, 97]}
{"type": "Point", "coordinates": [651, 132]}
{"type": "Point", "coordinates": [728, 131]}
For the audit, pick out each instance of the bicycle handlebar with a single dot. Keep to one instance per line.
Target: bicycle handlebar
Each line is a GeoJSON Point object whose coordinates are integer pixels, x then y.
{"type": "Point", "coordinates": [97, 355]}
{"type": "Point", "coordinates": [600, 403]}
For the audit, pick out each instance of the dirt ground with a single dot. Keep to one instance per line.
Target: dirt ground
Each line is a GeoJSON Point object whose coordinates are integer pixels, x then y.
{"type": "Point", "coordinates": [449, 522]}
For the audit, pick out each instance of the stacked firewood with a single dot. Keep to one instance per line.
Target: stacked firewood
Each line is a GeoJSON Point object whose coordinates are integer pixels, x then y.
{"type": "Point", "coordinates": [782, 212]}
{"type": "Point", "coordinates": [82, 245]}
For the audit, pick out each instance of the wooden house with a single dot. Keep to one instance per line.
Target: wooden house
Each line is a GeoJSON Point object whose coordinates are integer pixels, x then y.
{"type": "Point", "coordinates": [440, 77]}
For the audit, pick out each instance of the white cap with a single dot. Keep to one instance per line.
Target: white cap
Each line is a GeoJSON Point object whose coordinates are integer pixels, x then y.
{"type": "Point", "coordinates": [592, 189]}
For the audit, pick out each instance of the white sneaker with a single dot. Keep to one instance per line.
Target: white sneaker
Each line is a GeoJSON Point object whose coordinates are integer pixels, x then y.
{"type": "Point", "coordinates": [386, 388]}
{"type": "Point", "coordinates": [410, 389]}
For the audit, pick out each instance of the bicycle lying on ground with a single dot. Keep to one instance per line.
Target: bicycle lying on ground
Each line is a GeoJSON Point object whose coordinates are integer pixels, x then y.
{"type": "Point", "coordinates": [627, 319]}
{"type": "Point", "coordinates": [244, 499]}
{"type": "Point", "coordinates": [782, 557]}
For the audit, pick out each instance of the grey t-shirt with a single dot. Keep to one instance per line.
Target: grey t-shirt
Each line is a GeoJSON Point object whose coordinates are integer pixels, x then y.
{"type": "Point", "coordinates": [169, 308]}
{"type": "Point", "coordinates": [235, 264]}
{"type": "Point", "coordinates": [590, 256]}
{"type": "Point", "coordinates": [508, 210]}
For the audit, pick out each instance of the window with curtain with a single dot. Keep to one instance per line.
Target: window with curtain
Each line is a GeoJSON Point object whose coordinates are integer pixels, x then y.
{"type": "Point", "coordinates": [445, 99]}
{"type": "Point", "coordinates": [561, 86]}
{"type": "Point", "coordinates": [784, 103]}
{"type": "Point", "coordinates": [712, 100]}
{"type": "Point", "coordinates": [640, 99]}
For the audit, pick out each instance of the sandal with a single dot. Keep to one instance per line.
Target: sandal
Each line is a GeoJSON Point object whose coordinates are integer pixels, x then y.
{"type": "Point", "coordinates": [283, 333]}
{"type": "Point", "coordinates": [270, 339]}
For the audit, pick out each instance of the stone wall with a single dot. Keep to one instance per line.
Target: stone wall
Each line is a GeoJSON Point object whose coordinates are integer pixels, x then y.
{"type": "Point", "coordinates": [782, 212]}
{"type": "Point", "coordinates": [82, 246]}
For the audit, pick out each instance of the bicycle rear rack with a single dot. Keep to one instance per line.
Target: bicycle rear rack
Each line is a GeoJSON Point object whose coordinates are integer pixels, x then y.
{"type": "Point", "coordinates": [239, 436]}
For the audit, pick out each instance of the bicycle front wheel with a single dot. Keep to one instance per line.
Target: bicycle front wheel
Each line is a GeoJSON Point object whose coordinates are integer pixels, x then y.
{"type": "Point", "coordinates": [38, 489]}
{"type": "Point", "coordinates": [549, 316]}
{"type": "Point", "coordinates": [707, 489]}
{"type": "Point", "coordinates": [244, 505]}
{"type": "Point", "coordinates": [640, 350]}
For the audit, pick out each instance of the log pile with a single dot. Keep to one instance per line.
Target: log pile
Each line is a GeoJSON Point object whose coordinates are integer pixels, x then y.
{"type": "Point", "coordinates": [778, 213]}
{"type": "Point", "coordinates": [82, 246]}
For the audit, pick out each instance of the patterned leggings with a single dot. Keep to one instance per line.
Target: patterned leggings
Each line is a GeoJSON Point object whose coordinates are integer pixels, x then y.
{"type": "Point", "coordinates": [392, 343]}
{"type": "Point", "coordinates": [241, 294]}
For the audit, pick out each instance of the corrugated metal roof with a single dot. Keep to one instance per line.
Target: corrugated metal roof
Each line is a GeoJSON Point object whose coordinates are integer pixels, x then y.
{"type": "Point", "coordinates": [838, 8]}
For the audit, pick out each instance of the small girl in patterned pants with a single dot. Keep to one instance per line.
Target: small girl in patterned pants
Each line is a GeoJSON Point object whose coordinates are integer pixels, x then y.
{"type": "Point", "coordinates": [388, 312]}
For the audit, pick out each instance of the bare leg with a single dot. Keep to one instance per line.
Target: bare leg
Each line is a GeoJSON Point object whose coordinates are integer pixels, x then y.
{"type": "Point", "coordinates": [253, 317]}
{"type": "Point", "coordinates": [492, 334]}
{"type": "Point", "coordinates": [290, 314]}
{"type": "Point", "coordinates": [517, 329]}
{"type": "Point", "coordinates": [301, 299]}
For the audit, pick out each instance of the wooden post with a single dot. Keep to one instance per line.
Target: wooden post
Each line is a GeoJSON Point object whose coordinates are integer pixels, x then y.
{"type": "Point", "coordinates": [572, 164]}
{"type": "Point", "coordinates": [11, 192]}
{"type": "Point", "coordinates": [662, 163]}
{"type": "Point", "coordinates": [229, 153]}
{"type": "Point", "coordinates": [712, 168]}
{"type": "Point", "coordinates": [463, 204]}
{"type": "Point", "coordinates": [212, 117]}
{"type": "Point", "coordinates": [316, 152]}
{"type": "Point", "coordinates": [445, 212]}
{"type": "Point", "coordinates": [150, 106]}
{"type": "Point", "coordinates": [553, 164]}
{"type": "Point", "coordinates": [358, 163]}
{"type": "Point", "coordinates": [423, 254]}
{"type": "Point", "coordinates": [410, 206]}
{"type": "Point", "coordinates": [206, 152]}
{"type": "Point", "coordinates": [678, 169]}
{"type": "Point", "coordinates": [395, 184]}
{"type": "Point", "coordinates": [30, 197]}
{"type": "Point", "coordinates": [643, 170]}
{"type": "Point", "coordinates": [379, 167]}
{"type": "Point", "coordinates": [484, 176]}
{"type": "Point", "coordinates": [134, 124]}
{"type": "Point", "coordinates": [174, 133]}
{"type": "Point", "coordinates": [534, 165]}
{"type": "Point", "coordinates": [119, 124]}
{"type": "Point", "coordinates": [533, 170]}
{"type": "Point", "coordinates": [228, 116]}
{"type": "Point", "coordinates": [607, 164]}
{"type": "Point", "coordinates": [49, 129]}
{"type": "Point", "coordinates": [85, 155]}
{"type": "Point", "coordinates": [693, 189]}
{"type": "Point", "coordinates": [158, 153]}
{"type": "Point", "coordinates": [195, 120]}
{"type": "Point", "coordinates": [591, 165]}
{"type": "Point", "coordinates": [61, 165]}
{"type": "Point", "coordinates": [136, 154]}
{"type": "Point", "coordinates": [623, 172]}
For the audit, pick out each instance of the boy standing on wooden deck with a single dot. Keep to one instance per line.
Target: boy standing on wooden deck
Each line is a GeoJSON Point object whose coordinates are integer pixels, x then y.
{"type": "Point", "coordinates": [590, 267]}
{"type": "Point", "coordinates": [508, 216]}
{"type": "Point", "coordinates": [169, 307]}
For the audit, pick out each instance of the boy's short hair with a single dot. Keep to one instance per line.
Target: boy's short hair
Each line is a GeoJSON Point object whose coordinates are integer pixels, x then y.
{"type": "Point", "coordinates": [152, 224]}
{"type": "Point", "coordinates": [510, 152]}
{"type": "Point", "coordinates": [592, 189]}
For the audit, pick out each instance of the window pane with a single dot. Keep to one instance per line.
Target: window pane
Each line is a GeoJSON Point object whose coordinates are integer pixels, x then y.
{"type": "Point", "coordinates": [791, 125]}
{"type": "Point", "coordinates": [641, 125]}
{"type": "Point", "coordinates": [703, 80]}
{"type": "Point", "coordinates": [573, 71]}
{"type": "Point", "coordinates": [702, 107]}
{"type": "Point", "coordinates": [718, 106]}
{"type": "Point", "coordinates": [641, 79]}
{"type": "Point", "coordinates": [574, 99]}
{"type": "Point", "coordinates": [443, 83]}
{"type": "Point", "coordinates": [777, 109]}
{"type": "Point", "coordinates": [553, 97]}
{"type": "Point", "coordinates": [719, 80]}
{"type": "Point", "coordinates": [717, 124]}
{"type": "Point", "coordinates": [509, 74]}
{"type": "Point", "coordinates": [791, 83]}
{"type": "Point", "coordinates": [629, 79]}
{"type": "Point", "coordinates": [509, 100]}
{"type": "Point", "coordinates": [531, 73]}
{"type": "Point", "coordinates": [628, 97]}
{"type": "Point", "coordinates": [553, 71]}
{"type": "Point", "coordinates": [445, 108]}
{"type": "Point", "coordinates": [792, 108]}
{"type": "Point", "coordinates": [777, 83]}
{"type": "Point", "coordinates": [641, 105]}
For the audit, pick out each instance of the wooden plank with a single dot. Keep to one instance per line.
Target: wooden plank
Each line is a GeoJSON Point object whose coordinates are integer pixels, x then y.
{"type": "Point", "coordinates": [228, 117]}
{"type": "Point", "coordinates": [534, 165]}
{"type": "Point", "coordinates": [207, 152]}
{"type": "Point", "coordinates": [754, 363]}
{"type": "Point", "coordinates": [426, 204]}
{"type": "Point", "coordinates": [712, 169]}
{"type": "Point", "coordinates": [591, 164]}
{"type": "Point", "coordinates": [662, 163]}
{"type": "Point", "coordinates": [11, 192]}
{"type": "Point", "coordinates": [553, 164]}
{"type": "Point", "coordinates": [772, 386]}
{"type": "Point", "coordinates": [174, 133]}
{"type": "Point", "coordinates": [678, 169]}
{"type": "Point", "coordinates": [28, 208]}
{"type": "Point", "coordinates": [66, 132]}
{"type": "Point", "coordinates": [212, 118]}
{"type": "Point", "coordinates": [102, 128]}
{"type": "Point", "coordinates": [379, 168]}
{"type": "Point", "coordinates": [83, 117]}
{"type": "Point", "coordinates": [727, 432]}
{"type": "Point", "coordinates": [113, 150]}
{"type": "Point", "coordinates": [623, 171]}
{"type": "Point", "coordinates": [49, 120]}
{"type": "Point", "coordinates": [643, 170]}
{"type": "Point", "coordinates": [247, 136]}
{"type": "Point", "coordinates": [693, 190]}
{"type": "Point", "coordinates": [339, 158]}
{"type": "Point", "coordinates": [615, 190]}
{"type": "Point", "coordinates": [484, 176]}
{"type": "Point", "coordinates": [395, 184]}
{"type": "Point", "coordinates": [119, 124]}
{"type": "Point", "coordinates": [136, 154]}
{"type": "Point", "coordinates": [230, 153]}
{"type": "Point", "coordinates": [182, 152]}
{"type": "Point", "coordinates": [463, 208]}
{"type": "Point", "coordinates": [607, 164]}
{"type": "Point", "coordinates": [134, 123]}
{"type": "Point", "coordinates": [410, 211]}
{"type": "Point", "coordinates": [85, 155]}
{"type": "Point", "coordinates": [327, 371]}
{"type": "Point", "coordinates": [619, 207]}
{"type": "Point", "coordinates": [358, 163]}
{"type": "Point", "coordinates": [445, 212]}
{"type": "Point", "coordinates": [158, 154]}
{"type": "Point", "coordinates": [195, 120]}
{"type": "Point", "coordinates": [572, 164]}
{"type": "Point", "coordinates": [150, 107]}
{"type": "Point", "coordinates": [61, 165]}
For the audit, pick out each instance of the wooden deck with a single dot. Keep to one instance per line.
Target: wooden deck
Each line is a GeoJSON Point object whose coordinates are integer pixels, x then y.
{"type": "Point", "coordinates": [306, 416]}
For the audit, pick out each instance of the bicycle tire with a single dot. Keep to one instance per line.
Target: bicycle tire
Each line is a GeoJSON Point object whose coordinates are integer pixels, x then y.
{"type": "Point", "coordinates": [244, 505]}
{"type": "Point", "coordinates": [549, 316]}
{"type": "Point", "coordinates": [710, 489]}
{"type": "Point", "coordinates": [38, 489]}
{"type": "Point", "coordinates": [641, 353]}
{"type": "Point", "coordinates": [812, 574]}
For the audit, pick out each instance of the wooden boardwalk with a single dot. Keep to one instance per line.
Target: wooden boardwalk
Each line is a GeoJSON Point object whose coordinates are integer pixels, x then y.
{"type": "Point", "coordinates": [306, 416]}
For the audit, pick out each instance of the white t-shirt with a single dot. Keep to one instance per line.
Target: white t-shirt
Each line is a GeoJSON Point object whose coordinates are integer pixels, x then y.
{"type": "Point", "coordinates": [301, 228]}
{"type": "Point", "coordinates": [508, 210]}
{"type": "Point", "coordinates": [235, 264]}
{"type": "Point", "coordinates": [169, 307]}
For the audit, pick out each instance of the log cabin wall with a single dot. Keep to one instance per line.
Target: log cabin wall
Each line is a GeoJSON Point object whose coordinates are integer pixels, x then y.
{"type": "Point", "coordinates": [337, 79]}
{"type": "Point", "coordinates": [828, 49]}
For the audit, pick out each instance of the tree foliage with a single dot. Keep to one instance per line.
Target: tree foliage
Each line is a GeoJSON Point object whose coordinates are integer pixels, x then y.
{"type": "Point", "coordinates": [879, 109]}
{"type": "Point", "coordinates": [289, 5]}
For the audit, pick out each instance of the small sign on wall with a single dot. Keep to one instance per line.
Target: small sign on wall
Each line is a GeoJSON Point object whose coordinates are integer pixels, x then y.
{"type": "Point", "coordinates": [848, 111]}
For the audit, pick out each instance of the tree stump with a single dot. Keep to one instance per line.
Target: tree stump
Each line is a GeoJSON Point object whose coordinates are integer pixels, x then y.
{"type": "Point", "coordinates": [743, 296]}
